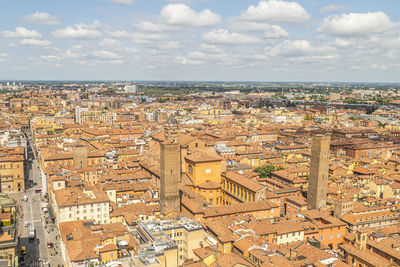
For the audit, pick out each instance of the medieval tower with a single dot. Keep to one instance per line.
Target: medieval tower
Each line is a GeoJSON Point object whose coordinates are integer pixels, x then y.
{"type": "Point", "coordinates": [318, 182]}
{"type": "Point", "coordinates": [170, 164]}
{"type": "Point", "coordinates": [80, 158]}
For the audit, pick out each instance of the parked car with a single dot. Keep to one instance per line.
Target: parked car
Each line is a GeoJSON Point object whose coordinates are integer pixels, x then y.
{"type": "Point", "coordinates": [26, 224]}
{"type": "Point", "coordinates": [50, 244]}
{"type": "Point", "coordinates": [25, 199]}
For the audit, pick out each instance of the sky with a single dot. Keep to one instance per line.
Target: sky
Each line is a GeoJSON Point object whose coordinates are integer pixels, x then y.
{"type": "Point", "coordinates": [201, 40]}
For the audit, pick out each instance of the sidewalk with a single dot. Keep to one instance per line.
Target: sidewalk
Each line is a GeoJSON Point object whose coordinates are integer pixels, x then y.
{"type": "Point", "coordinates": [52, 235]}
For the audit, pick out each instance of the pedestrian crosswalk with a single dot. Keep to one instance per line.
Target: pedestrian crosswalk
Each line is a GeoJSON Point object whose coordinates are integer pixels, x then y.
{"type": "Point", "coordinates": [35, 264]}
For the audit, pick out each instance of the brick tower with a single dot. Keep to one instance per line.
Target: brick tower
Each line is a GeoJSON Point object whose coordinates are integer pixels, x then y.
{"type": "Point", "coordinates": [80, 159]}
{"type": "Point", "coordinates": [318, 182]}
{"type": "Point", "coordinates": [170, 164]}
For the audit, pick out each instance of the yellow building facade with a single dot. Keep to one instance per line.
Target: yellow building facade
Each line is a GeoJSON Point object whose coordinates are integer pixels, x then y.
{"type": "Point", "coordinates": [12, 173]}
{"type": "Point", "coordinates": [205, 173]}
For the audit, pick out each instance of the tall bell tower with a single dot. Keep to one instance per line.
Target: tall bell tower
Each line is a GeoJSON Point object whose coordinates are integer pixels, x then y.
{"type": "Point", "coordinates": [318, 182]}
{"type": "Point", "coordinates": [170, 164]}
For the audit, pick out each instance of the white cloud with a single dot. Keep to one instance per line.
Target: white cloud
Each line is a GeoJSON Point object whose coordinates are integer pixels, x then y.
{"type": "Point", "coordinates": [270, 31]}
{"type": "Point", "coordinates": [148, 38]}
{"type": "Point", "coordinates": [50, 58]}
{"type": "Point", "coordinates": [2, 56]}
{"type": "Point", "coordinates": [116, 45]}
{"type": "Point", "coordinates": [340, 42]}
{"type": "Point", "coordinates": [276, 11]}
{"type": "Point", "coordinates": [297, 48]}
{"type": "Point", "coordinates": [379, 66]}
{"type": "Point", "coordinates": [116, 62]}
{"type": "Point", "coordinates": [189, 1]}
{"type": "Point", "coordinates": [120, 34]}
{"type": "Point", "coordinates": [35, 42]}
{"type": "Point", "coordinates": [332, 8]}
{"type": "Point", "coordinates": [74, 52]}
{"type": "Point", "coordinates": [149, 26]}
{"type": "Point", "coordinates": [42, 18]}
{"type": "Point", "coordinates": [222, 36]}
{"type": "Point", "coordinates": [79, 31]}
{"type": "Point", "coordinates": [275, 31]}
{"type": "Point", "coordinates": [356, 24]}
{"type": "Point", "coordinates": [21, 32]}
{"type": "Point", "coordinates": [110, 43]}
{"type": "Point", "coordinates": [125, 2]}
{"type": "Point", "coordinates": [170, 45]}
{"type": "Point", "coordinates": [182, 15]}
{"type": "Point", "coordinates": [211, 48]}
{"type": "Point", "coordinates": [185, 61]}
{"type": "Point", "coordinates": [240, 25]}
{"type": "Point", "coordinates": [199, 55]}
{"type": "Point", "coordinates": [104, 54]}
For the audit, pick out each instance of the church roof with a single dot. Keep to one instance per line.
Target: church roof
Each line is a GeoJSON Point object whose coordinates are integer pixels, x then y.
{"type": "Point", "coordinates": [199, 156]}
{"type": "Point", "coordinates": [171, 121]}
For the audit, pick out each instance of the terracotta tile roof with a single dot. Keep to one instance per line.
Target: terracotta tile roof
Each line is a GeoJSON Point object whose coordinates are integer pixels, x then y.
{"type": "Point", "coordinates": [367, 256]}
{"type": "Point", "coordinates": [76, 196]}
{"type": "Point", "coordinates": [239, 208]}
{"type": "Point", "coordinates": [368, 217]}
{"type": "Point", "coordinates": [363, 170]}
{"type": "Point", "coordinates": [203, 252]}
{"type": "Point", "coordinates": [245, 182]}
{"type": "Point", "coordinates": [209, 185]}
{"type": "Point", "coordinates": [192, 205]}
{"type": "Point", "coordinates": [199, 156]}
{"type": "Point", "coordinates": [231, 259]}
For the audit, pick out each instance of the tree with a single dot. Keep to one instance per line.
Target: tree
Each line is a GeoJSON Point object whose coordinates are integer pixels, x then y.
{"type": "Point", "coordinates": [308, 117]}
{"type": "Point", "coordinates": [265, 171]}
{"type": "Point", "coordinates": [382, 124]}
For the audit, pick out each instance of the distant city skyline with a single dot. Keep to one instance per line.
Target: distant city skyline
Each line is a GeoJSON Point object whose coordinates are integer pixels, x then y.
{"type": "Point", "coordinates": [201, 40]}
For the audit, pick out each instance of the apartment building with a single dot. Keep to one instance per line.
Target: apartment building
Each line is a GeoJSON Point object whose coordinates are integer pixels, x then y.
{"type": "Point", "coordinates": [169, 242]}
{"type": "Point", "coordinates": [12, 169]}
{"type": "Point", "coordinates": [74, 204]}
{"type": "Point", "coordinates": [83, 115]}
{"type": "Point", "coordinates": [370, 218]}
{"type": "Point", "coordinates": [87, 244]}
{"type": "Point", "coordinates": [8, 231]}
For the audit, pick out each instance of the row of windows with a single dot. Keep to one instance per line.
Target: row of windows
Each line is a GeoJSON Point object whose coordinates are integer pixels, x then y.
{"type": "Point", "coordinates": [238, 191]}
{"type": "Point", "coordinates": [287, 235]}
{"type": "Point", "coordinates": [111, 255]}
{"type": "Point", "coordinates": [91, 205]}
{"type": "Point", "coordinates": [84, 217]}
{"type": "Point", "coordinates": [4, 166]}
{"type": "Point", "coordinates": [330, 237]}
{"type": "Point", "coordinates": [176, 234]}
{"type": "Point", "coordinates": [91, 211]}
{"type": "Point", "coordinates": [377, 218]}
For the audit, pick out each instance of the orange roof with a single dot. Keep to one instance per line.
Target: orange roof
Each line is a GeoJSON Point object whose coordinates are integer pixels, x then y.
{"type": "Point", "coordinates": [199, 156]}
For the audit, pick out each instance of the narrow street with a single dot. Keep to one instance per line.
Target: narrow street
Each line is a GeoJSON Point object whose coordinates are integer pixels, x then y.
{"type": "Point", "coordinates": [37, 251]}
